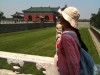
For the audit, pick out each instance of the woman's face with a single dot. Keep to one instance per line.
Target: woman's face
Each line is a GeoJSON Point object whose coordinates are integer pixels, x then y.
{"type": "Point", "coordinates": [63, 25]}
{"type": "Point", "coordinates": [63, 22]}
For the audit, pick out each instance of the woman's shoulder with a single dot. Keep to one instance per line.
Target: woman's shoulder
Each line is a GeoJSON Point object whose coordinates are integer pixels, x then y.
{"type": "Point", "coordinates": [66, 33]}
{"type": "Point", "coordinates": [67, 36]}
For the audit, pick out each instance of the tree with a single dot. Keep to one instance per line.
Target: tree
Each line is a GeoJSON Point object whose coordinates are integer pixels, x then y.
{"type": "Point", "coordinates": [92, 19]}
{"type": "Point", "coordinates": [2, 15]}
{"type": "Point", "coordinates": [95, 19]}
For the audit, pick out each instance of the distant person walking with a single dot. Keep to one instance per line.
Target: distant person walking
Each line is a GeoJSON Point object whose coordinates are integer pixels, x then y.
{"type": "Point", "coordinates": [68, 55]}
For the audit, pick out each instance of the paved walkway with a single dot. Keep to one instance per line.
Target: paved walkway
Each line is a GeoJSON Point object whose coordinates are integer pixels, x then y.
{"type": "Point", "coordinates": [97, 45]}
{"type": "Point", "coordinates": [96, 42]}
{"type": "Point", "coordinates": [9, 72]}
{"type": "Point", "coordinates": [98, 66]}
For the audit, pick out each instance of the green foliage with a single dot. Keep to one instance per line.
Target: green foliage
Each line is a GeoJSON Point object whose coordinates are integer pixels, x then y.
{"type": "Point", "coordinates": [95, 19]}
{"type": "Point", "coordinates": [2, 15]}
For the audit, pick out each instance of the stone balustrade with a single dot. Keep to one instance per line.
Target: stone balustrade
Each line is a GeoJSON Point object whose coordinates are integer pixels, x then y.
{"type": "Point", "coordinates": [17, 60]}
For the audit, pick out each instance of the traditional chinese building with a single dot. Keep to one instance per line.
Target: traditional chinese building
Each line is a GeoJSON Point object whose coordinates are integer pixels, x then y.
{"type": "Point", "coordinates": [18, 16]}
{"type": "Point", "coordinates": [40, 14]}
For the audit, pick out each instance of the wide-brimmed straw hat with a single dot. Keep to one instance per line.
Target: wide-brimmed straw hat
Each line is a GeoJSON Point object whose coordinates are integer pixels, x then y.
{"type": "Point", "coordinates": [71, 14]}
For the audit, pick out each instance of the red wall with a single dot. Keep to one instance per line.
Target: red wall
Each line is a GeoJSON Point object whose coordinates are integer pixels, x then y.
{"type": "Point", "coordinates": [51, 16]}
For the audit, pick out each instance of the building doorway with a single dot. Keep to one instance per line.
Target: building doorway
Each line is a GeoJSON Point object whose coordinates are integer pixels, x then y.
{"type": "Point", "coordinates": [46, 18]}
{"type": "Point", "coordinates": [30, 18]}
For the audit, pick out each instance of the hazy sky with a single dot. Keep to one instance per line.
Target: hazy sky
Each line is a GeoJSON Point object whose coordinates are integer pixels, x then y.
{"type": "Point", "coordinates": [86, 7]}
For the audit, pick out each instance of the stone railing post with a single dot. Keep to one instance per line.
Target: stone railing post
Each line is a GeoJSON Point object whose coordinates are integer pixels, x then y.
{"type": "Point", "coordinates": [17, 64]}
{"type": "Point", "coordinates": [50, 69]}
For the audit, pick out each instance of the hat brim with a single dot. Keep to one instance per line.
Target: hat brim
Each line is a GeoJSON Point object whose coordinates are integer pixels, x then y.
{"type": "Point", "coordinates": [73, 22]}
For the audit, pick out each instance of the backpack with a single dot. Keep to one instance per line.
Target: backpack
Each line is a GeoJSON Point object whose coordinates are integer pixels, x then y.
{"type": "Point", "coordinates": [87, 64]}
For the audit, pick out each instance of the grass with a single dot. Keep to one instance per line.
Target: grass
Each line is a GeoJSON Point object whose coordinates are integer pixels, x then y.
{"type": "Point", "coordinates": [89, 43]}
{"type": "Point", "coordinates": [35, 42]}
{"type": "Point", "coordinates": [38, 42]}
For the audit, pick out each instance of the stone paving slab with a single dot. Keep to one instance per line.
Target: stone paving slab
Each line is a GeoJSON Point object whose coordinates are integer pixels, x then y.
{"type": "Point", "coordinates": [98, 66]}
{"type": "Point", "coordinates": [9, 72]}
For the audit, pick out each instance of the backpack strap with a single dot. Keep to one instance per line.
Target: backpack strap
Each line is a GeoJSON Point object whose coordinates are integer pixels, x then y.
{"type": "Point", "coordinates": [75, 38]}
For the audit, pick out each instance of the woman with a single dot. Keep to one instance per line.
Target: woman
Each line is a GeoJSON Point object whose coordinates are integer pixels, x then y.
{"type": "Point", "coordinates": [68, 56]}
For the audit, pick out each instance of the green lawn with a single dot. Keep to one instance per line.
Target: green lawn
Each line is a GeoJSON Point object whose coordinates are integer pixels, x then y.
{"type": "Point", "coordinates": [36, 42]}
{"type": "Point", "coordinates": [89, 43]}
{"type": "Point", "coordinates": [39, 42]}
